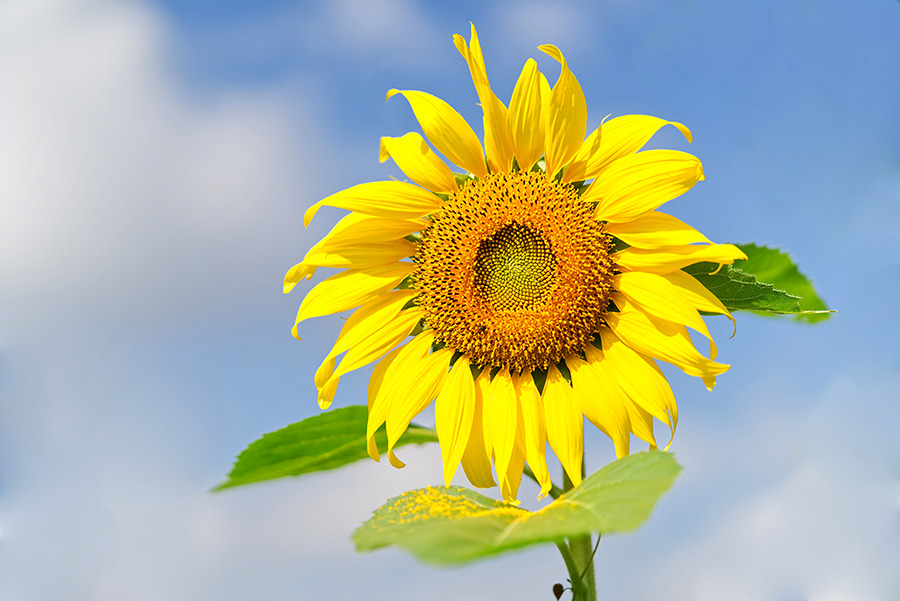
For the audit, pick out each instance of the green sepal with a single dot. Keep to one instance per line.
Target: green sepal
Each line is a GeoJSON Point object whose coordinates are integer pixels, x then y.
{"type": "Point", "coordinates": [768, 283]}
{"type": "Point", "coordinates": [462, 179]}
{"type": "Point", "coordinates": [323, 442]}
{"type": "Point", "coordinates": [451, 525]}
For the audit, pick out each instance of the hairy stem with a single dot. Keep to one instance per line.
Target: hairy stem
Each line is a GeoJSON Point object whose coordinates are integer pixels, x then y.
{"type": "Point", "coordinates": [574, 572]}
{"type": "Point", "coordinates": [583, 553]}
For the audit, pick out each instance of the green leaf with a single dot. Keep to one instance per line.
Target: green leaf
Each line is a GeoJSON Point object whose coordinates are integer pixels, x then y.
{"type": "Point", "coordinates": [777, 268]}
{"type": "Point", "coordinates": [448, 525]}
{"type": "Point", "coordinates": [768, 283]}
{"type": "Point", "coordinates": [322, 442]}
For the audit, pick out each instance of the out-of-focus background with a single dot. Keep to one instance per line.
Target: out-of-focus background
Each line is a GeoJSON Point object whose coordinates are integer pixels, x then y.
{"type": "Point", "coordinates": [155, 162]}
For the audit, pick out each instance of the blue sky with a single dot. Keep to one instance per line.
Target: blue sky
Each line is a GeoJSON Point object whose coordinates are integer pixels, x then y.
{"type": "Point", "coordinates": [155, 162]}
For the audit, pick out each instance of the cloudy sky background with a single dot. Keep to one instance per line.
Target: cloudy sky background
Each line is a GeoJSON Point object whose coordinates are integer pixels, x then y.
{"type": "Point", "coordinates": [155, 162]}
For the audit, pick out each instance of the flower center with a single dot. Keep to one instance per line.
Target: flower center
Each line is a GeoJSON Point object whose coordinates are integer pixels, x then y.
{"type": "Point", "coordinates": [515, 268]}
{"type": "Point", "coordinates": [514, 271]}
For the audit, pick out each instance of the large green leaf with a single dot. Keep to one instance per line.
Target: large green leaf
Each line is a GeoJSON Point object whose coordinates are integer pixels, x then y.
{"type": "Point", "coordinates": [322, 442]}
{"type": "Point", "coordinates": [768, 283]}
{"type": "Point", "coordinates": [447, 525]}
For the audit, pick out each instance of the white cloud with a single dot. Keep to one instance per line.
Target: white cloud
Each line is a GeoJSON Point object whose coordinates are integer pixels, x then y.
{"type": "Point", "coordinates": [528, 24]}
{"type": "Point", "coordinates": [116, 184]}
{"type": "Point", "coordinates": [797, 505]}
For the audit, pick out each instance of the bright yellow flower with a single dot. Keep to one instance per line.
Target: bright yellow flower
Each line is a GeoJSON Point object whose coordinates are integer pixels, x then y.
{"type": "Point", "coordinates": [535, 291]}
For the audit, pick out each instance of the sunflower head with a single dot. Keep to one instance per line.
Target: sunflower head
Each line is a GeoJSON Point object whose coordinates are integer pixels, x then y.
{"type": "Point", "coordinates": [537, 288]}
{"type": "Point", "coordinates": [514, 271]}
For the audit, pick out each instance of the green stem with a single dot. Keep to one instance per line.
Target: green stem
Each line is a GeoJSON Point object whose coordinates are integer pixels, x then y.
{"type": "Point", "coordinates": [555, 491]}
{"type": "Point", "coordinates": [583, 553]}
{"type": "Point", "coordinates": [574, 572]}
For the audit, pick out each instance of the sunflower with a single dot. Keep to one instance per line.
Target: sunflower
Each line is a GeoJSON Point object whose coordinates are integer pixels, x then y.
{"type": "Point", "coordinates": [539, 287]}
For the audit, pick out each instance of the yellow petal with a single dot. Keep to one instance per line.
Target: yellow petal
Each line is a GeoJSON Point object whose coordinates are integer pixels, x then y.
{"type": "Point", "coordinates": [362, 256]}
{"type": "Point", "coordinates": [525, 118]}
{"type": "Point", "coordinates": [420, 164]}
{"type": "Point", "coordinates": [325, 387]}
{"type": "Point", "coordinates": [353, 230]}
{"type": "Point", "coordinates": [565, 426]}
{"type": "Point", "coordinates": [697, 294]}
{"type": "Point", "coordinates": [512, 477]}
{"type": "Point", "coordinates": [657, 296]}
{"type": "Point", "coordinates": [396, 200]}
{"type": "Point", "coordinates": [358, 228]}
{"type": "Point", "coordinates": [501, 415]}
{"type": "Point", "coordinates": [639, 183]}
{"type": "Point", "coordinates": [374, 346]}
{"type": "Point", "coordinates": [378, 413]}
{"type": "Point", "coordinates": [396, 370]}
{"type": "Point", "coordinates": [447, 130]}
{"type": "Point", "coordinates": [654, 230]}
{"type": "Point", "coordinates": [641, 379]}
{"type": "Point", "coordinates": [454, 411]}
{"type": "Point", "coordinates": [418, 386]}
{"type": "Point", "coordinates": [535, 429]}
{"type": "Point", "coordinates": [661, 339]}
{"type": "Point", "coordinates": [668, 259]}
{"type": "Point", "coordinates": [369, 318]}
{"type": "Point", "coordinates": [600, 400]}
{"type": "Point", "coordinates": [350, 289]}
{"type": "Point", "coordinates": [296, 273]}
{"type": "Point", "coordinates": [566, 120]}
{"type": "Point", "coordinates": [640, 420]}
{"type": "Point", "coordinates": [476, 460]}
{"type": "Point", "coordinates": [496, 134]}
{"type": "Point", "coordinates": [613, 140]}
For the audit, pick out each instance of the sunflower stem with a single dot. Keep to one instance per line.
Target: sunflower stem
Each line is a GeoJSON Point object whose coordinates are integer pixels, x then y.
{"type": "Point", "coordinates": [574, 573]}
{"type": "Point", "coordinates": [555, 491]}
{"type": "Point", "coordinates": [582, 551]}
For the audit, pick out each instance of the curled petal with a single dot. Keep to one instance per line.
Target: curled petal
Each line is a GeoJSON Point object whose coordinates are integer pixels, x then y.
{"type": "Point", "coordinates": [420, 164]}
{"type": "Point", "coordinates": [663, 340]}
{"type": "Point", "coordinates": [496, 133]}
{"type": "Point", "coordinates": [613, 140]}
{"type": "Point", "coordinates": [447, 130]}
{"type": "Point", "coordinates": [657, 296]}
{"type": "Point", "coordinates": [566, 117]}
{"type": "Point", "coordinates": [325, 384]}
{"type": "Point", "coordinates": [298, 272]}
